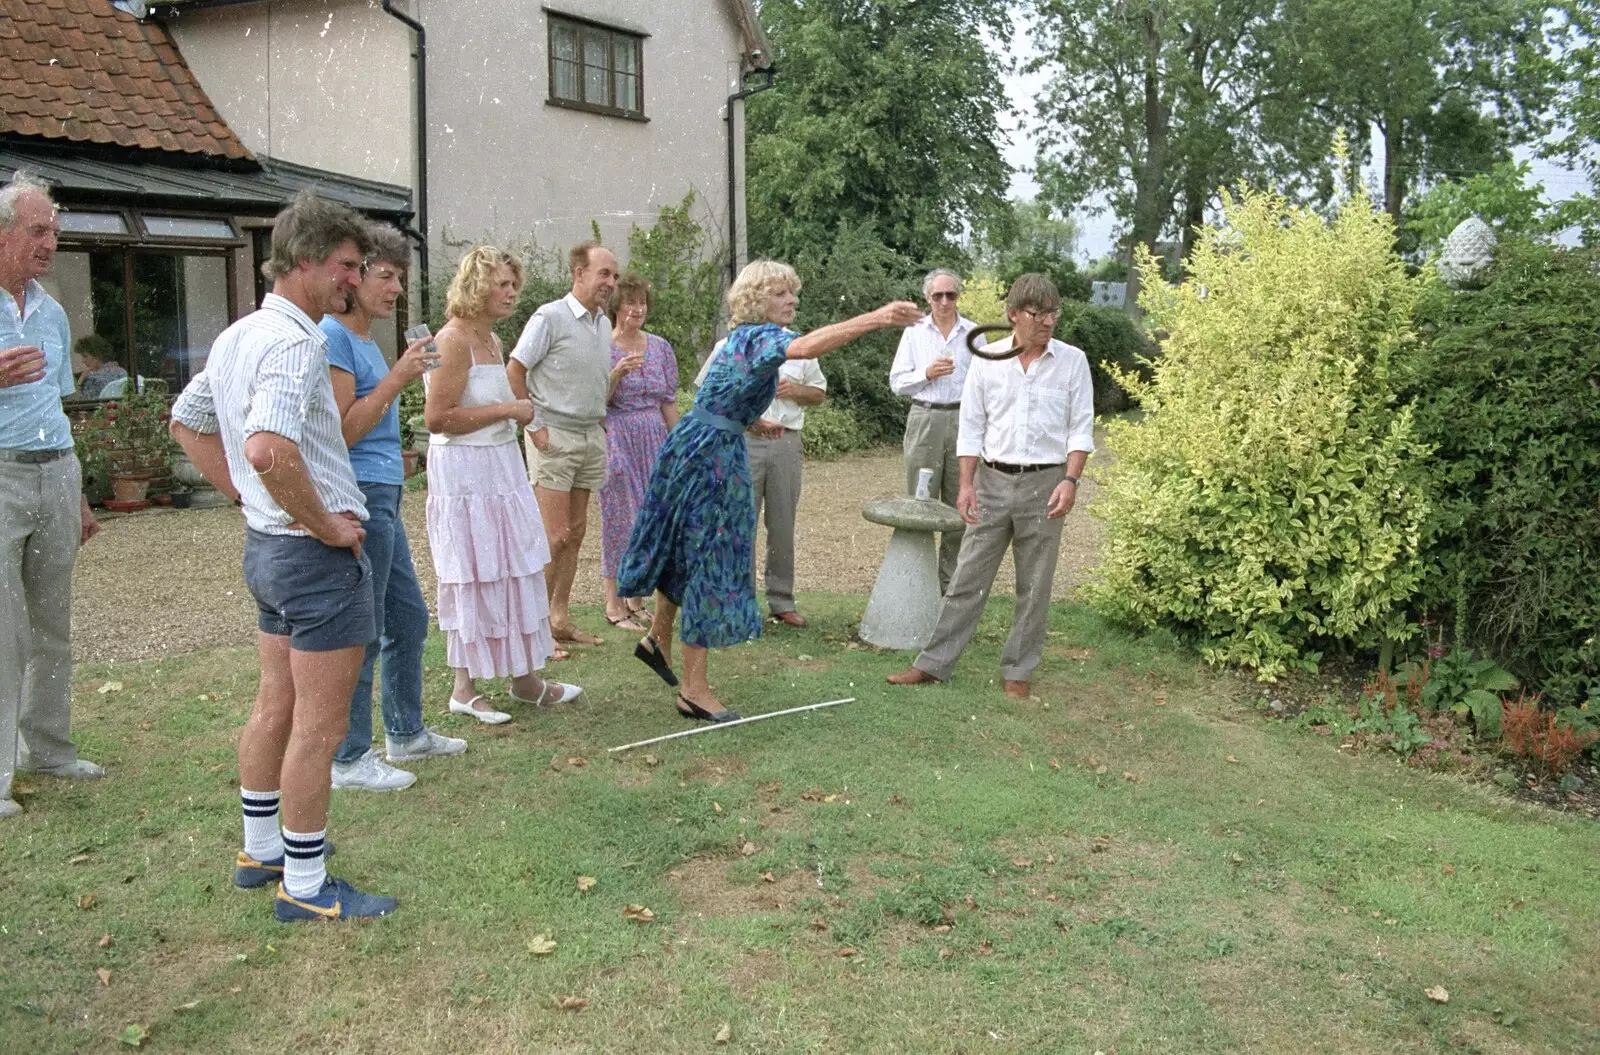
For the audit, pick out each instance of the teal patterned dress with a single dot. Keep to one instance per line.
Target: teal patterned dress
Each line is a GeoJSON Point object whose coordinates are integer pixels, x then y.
{"type": "Point", "coordinates": [694, 537]}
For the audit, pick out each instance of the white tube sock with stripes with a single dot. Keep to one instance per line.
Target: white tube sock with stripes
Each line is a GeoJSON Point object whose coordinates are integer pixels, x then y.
{"type": "Point", "coordinates": [303, 865]}
{"type": "Point", "coordinates": [262, 840]}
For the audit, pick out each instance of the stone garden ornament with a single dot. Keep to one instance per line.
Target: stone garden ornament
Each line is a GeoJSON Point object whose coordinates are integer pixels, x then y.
{"type": "Point", "coordinates": [1467, 254]}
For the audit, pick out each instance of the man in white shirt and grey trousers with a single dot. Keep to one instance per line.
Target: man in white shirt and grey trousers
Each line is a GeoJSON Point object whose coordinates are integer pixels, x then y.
{"type": "Point", "coordinates": [930, 368]}
{"type": "Point", "coordinates": [1027, 429]}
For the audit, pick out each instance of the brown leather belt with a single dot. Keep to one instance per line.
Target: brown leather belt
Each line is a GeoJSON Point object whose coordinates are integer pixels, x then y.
{"type": "Point", "coordinates": [32, 457]}
{"type": "Point", "coordinates": [1017, 470]}
{"type": "Point", "coordinates": [937, 406]}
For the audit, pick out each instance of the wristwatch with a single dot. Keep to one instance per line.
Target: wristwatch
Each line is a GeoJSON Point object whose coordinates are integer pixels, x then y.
{"type": "Point", "coordinates": [1073, 480]}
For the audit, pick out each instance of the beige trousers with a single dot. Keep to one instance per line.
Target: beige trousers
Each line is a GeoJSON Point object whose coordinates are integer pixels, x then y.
{"type": "Point", "coordinates": [930, 443]}
{"type": "Point", "coordinates": [40, 525]}
{"type": "Point", "coordinates": [777, 469]}
{"type": "Point", "coordinates": [1011, 513]}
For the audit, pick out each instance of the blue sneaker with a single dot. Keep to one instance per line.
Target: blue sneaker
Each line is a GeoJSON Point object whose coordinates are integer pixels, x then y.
{"type": "Point", "coordinates": [336, 900]}
{"type": "Point", "coordinates": [250, 874]}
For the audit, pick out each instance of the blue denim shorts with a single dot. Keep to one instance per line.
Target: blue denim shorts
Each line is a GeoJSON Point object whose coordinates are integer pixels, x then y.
{"type": "Point", "coordinates": [319, 597]}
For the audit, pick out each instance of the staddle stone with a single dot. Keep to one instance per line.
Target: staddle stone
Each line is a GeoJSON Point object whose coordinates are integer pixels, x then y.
{"type": "Point", "coordinates": [904, 607]}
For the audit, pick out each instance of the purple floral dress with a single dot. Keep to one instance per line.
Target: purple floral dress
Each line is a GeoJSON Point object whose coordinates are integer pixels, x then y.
{"type": "Point", "coordinates": [634, 434]}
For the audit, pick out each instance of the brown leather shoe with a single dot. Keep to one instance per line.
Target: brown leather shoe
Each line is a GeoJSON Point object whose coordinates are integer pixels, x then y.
{"type": "Point", "coordinates": [1017, 690]}
{"type": "Point", "coordinates": [791, 618]}
{"type": "Point", "coordinates": [913, 677]}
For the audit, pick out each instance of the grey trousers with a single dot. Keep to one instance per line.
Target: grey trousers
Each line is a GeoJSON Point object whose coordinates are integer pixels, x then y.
{"type": "Point", "coordinates": [40, 525]}
{"type": "Point", "coordinates": [930, 443]}
{"type": "Point", "coordinates": [1011, 512]}
{"type": "Point", "coordinates": [777, 468]}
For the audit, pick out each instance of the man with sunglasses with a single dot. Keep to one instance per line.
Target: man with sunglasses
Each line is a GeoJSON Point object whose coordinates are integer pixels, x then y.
{"type": "Point", "coordinates": [1027, 429]}
{"type": "Point", "coordinates": [930, 367]}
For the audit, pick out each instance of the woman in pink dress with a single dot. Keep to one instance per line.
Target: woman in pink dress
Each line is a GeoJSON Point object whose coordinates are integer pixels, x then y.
{"type": "Point", "coordinates": [641, 409]}
{"type": "Point", "coordinates": [489, 549]}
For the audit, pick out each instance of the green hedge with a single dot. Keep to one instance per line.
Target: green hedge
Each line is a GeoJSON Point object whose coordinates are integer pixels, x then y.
{"type": "Point", "coordinates": [1508, 393]}
{"type": "Point", "coordinates": [1109, 338]}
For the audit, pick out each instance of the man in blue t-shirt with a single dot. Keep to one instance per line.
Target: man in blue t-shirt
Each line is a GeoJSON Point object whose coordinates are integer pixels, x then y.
{"type": "Point", "coordinates": [367, 390]}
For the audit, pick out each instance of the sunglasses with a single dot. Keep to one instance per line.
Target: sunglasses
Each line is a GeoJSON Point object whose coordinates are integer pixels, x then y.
{"type": "Point", "coordinates": [1041, 316]}
{"type": "Point", "coordinates": [942, 296]}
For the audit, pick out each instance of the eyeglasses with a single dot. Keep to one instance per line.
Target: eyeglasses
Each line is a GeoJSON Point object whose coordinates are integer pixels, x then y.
{"type": "Point", "coordinates": [943, 296]}
{"type": "Point", "coordinates": [1041, 316]}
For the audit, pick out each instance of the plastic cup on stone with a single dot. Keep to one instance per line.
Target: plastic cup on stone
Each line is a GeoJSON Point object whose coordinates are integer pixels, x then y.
{"type": "Point", "coordinates": [924, 483]}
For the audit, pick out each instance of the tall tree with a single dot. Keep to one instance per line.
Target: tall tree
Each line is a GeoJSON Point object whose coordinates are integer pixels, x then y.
{"type": "Point", "coordinates": [886, 114]}
{"type": "Point", "coordinates": [1577, 108]}
{"type": "Point", "coordinates": [1449, 85]}
{"type": "Point", "coordinates": [1157, 103]}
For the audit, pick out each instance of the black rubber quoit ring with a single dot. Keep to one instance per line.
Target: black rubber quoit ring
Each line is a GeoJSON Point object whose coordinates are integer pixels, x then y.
{"type": "Point", "coordinates": [977, 350]}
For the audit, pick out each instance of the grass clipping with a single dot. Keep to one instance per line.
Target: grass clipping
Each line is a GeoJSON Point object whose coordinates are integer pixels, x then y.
{"type": "Point", "coordinates": [1271, 498]}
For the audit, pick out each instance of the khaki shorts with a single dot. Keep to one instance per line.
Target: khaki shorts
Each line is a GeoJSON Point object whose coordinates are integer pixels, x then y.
{"type": "Point", "coordinates": [572, 461]}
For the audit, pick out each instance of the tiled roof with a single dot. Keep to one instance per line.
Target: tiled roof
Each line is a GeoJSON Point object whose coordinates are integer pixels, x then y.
{"type": "Point", "coordinates": [84, 72]}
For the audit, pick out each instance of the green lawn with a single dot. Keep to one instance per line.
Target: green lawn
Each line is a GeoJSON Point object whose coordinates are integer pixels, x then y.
{"type": "Point", "coordinates": [1134, 860]}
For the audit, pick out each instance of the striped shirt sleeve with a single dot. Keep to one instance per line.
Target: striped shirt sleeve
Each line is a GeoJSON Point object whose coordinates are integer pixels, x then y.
{"type": "Point", "coordinates": [196, 407]}
{"type": "Point", "coordinates": [283, 382]}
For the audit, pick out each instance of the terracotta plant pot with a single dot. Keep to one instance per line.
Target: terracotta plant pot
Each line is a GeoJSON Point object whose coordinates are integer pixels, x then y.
{"type": "Point", "coordinates": [410, 458]}
{"type": "Point", "coordinates": [129, 487]}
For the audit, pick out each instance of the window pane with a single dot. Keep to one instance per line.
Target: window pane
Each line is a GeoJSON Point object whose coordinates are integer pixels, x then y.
{"type": "Point", "coordinates": [566, 86]}
{"type": "Point", "coordinates": [180, 307]}
{"type": "Point", "coordinates": [596, 90]}
{"type": "Point", "coordinates": [89, 287]}
{"type": "Point", "coordinates": [565, 42]}
{"type": "Point", "coordinates": [626, 52]}
{"type": "Point", "coordinates": [93, 222]}
{"type": "Point", "coordinates": [187, 227]}
{"type": "Point", "coordinates": [627, 86]}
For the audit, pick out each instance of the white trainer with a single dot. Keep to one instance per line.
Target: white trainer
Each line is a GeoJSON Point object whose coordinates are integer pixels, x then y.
{"type": "Point", "coordinates": [490, 717]}
{"type": "Point", "coordinates": [371, 773]}
{"type": "Point", "coordinates": [77, 769]}
{"type": "Point", "coordinates": [9, 808]}
{"type": "Point", "coordinates": [426, 744]}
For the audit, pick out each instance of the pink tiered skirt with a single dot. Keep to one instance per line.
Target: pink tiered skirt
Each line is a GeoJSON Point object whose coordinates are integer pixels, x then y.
{"type": "Point", "coordinates": [489, 553]}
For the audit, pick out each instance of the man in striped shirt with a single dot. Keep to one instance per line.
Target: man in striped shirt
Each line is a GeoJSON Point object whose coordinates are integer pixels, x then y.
{"type": "Point", "coordinates": [262, 424]}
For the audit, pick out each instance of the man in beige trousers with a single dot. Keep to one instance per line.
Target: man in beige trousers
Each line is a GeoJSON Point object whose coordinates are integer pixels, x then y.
{"type": "Point", "coordinates": [1027, 430]}
{"type": "Point", "coordinates": [43, 515]}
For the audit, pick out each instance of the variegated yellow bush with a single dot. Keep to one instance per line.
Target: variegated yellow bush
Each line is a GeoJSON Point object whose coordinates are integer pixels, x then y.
{"type": "Point", "coordinates": [983, 300]}
{"type": "Point", "coordinates": [1270, 501]}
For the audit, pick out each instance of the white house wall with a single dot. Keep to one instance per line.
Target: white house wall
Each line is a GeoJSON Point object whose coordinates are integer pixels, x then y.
{"type": "Point", "coordinates": [328, 83]}
{"type": "Point", "coordinates": [325, 83]}
{"type": "Point", "coordinates": [508, 167]}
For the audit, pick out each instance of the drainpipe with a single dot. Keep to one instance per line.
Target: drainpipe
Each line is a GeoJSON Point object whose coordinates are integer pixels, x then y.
{"type": "Point", "coordinates": [733, 185]}
{"type": "Point", "coordinates": [421, 235]}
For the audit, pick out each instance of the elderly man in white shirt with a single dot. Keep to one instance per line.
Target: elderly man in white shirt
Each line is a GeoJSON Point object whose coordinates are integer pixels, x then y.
{"type": "Point", "coordinates": [1027, 430]}
{"type": "Point", "coordinates": [930, 368]}
{"type": "Point", "coordinates": [777, 471]}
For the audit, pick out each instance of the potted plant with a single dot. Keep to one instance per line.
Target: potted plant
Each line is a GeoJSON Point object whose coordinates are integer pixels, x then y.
{"type": "Point", "coordinates": [134, 444]}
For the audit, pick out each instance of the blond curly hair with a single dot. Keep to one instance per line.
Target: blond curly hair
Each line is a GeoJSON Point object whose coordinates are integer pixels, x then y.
{"type": "Point", "coordinates": [469, 291]}
{"type": "Point", "coordinates": [747, 297]}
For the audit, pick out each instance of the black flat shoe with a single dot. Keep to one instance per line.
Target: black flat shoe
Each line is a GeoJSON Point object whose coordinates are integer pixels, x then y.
{"type": "Point", "coordinates": [651, 657]}
{"type": "Point", "coordinates": [697, 713]}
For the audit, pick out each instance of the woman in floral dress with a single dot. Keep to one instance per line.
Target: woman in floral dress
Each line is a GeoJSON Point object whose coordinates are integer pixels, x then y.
{"type": "Point", "coordinates": [642, 407]}
{"type": "Point", "coordinates": [693, 540]}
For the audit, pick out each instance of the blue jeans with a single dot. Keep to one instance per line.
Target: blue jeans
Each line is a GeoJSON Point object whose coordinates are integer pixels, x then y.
{"type": "Point", "coordinates": [402, 619]}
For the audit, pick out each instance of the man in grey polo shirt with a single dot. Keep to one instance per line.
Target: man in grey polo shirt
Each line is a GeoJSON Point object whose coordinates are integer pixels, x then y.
{"type": "Point", "coordinates": [43, 515]}
{"type": "Point", "coordinates": [930, 367]}
{"type": "Point", "coordinates": [1027, 430]}
{"type": "Point", "coordinates": [562, 362]}
{"type": "Point", "coordinates": [262, 422]}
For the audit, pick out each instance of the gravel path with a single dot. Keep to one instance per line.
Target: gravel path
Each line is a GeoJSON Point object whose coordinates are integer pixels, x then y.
{"type": "Point", "coordinates": [168, 581]}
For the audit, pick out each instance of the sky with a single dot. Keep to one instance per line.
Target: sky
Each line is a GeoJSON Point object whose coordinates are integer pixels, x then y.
{"type": "Point", "coordinates": [1096, 231]}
